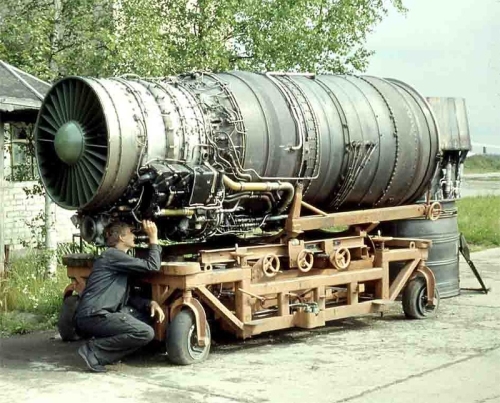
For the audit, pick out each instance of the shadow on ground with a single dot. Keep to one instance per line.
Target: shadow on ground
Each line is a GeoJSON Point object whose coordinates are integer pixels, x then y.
{"type": "Point", "coordinates": [46, 347]}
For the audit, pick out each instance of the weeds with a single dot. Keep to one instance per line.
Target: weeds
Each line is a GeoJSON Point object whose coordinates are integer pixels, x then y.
{"type": "Point", "coordinates": [29, 300]}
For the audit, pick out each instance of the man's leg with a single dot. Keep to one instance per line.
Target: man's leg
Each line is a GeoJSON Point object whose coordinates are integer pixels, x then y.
{"type": "Point", "coordinates": [116, 335]}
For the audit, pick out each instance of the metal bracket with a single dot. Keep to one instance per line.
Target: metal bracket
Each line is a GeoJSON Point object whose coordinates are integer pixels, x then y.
{"type": "Point", "coordinates": [199, 313]}
{"type": "Point", "coordinates": [430, 280]}
{"type": "Point", "coordinates": [464, 250]}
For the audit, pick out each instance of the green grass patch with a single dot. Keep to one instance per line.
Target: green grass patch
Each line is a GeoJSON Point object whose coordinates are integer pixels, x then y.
{"type": "Point", "coordinates": [17, 322]}
{"type": "Point", "coordinates": [482, 164]}
{"type": "Point", "coordinates": [479, 221]}
{"type": "Point", "coordinates": [29, 300]}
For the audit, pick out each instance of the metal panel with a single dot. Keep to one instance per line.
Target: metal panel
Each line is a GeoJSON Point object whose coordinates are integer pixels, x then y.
{"type": "Point", "coordinates": [451, 116]}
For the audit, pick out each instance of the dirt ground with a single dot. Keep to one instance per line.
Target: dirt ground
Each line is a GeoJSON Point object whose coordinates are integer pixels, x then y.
{"type": "Point", "coordinates": [452, 358]}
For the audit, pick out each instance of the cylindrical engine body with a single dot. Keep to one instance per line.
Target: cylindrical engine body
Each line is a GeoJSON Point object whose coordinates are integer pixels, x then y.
{"type": "Point", "coordinates": [354, 142]}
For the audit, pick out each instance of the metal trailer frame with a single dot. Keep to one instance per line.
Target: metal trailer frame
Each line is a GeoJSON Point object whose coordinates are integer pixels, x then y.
{"type": "Point", "coordinates": [293, 282]}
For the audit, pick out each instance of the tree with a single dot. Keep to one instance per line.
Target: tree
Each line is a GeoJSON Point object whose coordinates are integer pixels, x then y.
{"type": "Point", "coordinates": [51, 38]}
{"type": "Point", "coordinates": [54, 38]}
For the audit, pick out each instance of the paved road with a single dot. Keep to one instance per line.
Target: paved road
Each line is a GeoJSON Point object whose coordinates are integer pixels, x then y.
{"type": "Point", "coordinates": [452, 358]}
{"type": "Point", "coordinates": [481, 184]}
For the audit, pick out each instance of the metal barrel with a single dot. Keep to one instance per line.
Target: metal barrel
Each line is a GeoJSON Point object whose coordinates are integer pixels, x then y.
{"type": "Point", "coordinates": [444, 254]}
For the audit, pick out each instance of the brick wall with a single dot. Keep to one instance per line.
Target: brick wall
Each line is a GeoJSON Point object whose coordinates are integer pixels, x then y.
{"type": "Point", "coordinates": [21, 209]}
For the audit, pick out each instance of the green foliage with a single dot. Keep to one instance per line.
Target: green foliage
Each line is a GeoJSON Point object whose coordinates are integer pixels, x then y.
{"type": "Point", "coordinates": [67, 248]}
{"type": "Point", "coordinates": [16, 322]}
{"type": "Point", "coordinates": [482, 164]}
{"type": "Point", "coordinates": [26, 287]}
{"type": "Point", "coordinates": [479, 220]}
{"type": "Point", "coordinates": [161, 37]}
{"type": "Point", "coordinates": [38, 231]}
{"type": "Point", "coordinates": [29, 299]}
{"type": "Point", "coordinates": [55, 38]}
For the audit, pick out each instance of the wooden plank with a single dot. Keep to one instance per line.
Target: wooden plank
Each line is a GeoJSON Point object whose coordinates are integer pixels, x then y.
{"type": "Point", "coordinates": [346, 311]}
{"type": "Point", "coordinates": [243, 305]}
{"type": "Point", "coordinates": [217, 306]}
{"type": "Point", "coordinates": [320, 297]}
{"type": "Point", "coordinates": [355, 217]}
{"type": "Point", "coordinates": [404, 242]}
{"type": "Point", "coordinates": [217, 277]}
{"type": "Point", "coordinates": [227, 255]}
{"type": "Point", "coordinates": [401, 279]}
{"type": "Point", "coordinates": [352, 293]}
{"type": "Point", "coordinates": [304, 283]}
{"type": "Point", "coordinates": [269, 324]}
{"type": "Point", "coordinates": [284, 322]}
{"type": "Point", "coordinates": [283, 304]}
{"type": "Point", "coordinates": [396, 255]}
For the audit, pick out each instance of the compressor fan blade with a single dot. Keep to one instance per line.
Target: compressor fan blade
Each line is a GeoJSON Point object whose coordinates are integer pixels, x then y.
{"type": "Point", "coordinates": [71, 140]}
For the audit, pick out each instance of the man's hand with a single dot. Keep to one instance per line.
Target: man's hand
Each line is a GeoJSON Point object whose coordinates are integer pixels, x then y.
{"type": "Point", "coordinates": [151, 231]}
{"type": "Point", "coordinates": [156, 310]}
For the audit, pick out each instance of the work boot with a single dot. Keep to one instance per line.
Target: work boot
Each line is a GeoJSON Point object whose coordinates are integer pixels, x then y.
{"type": "Point", "coordinates": [90, 359]}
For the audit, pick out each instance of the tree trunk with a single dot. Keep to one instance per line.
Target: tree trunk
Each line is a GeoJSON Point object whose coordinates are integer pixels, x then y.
{"type": "Point", "coordinates": [2, 211]}
{"type": "Point", "coordinates": [50, 232]}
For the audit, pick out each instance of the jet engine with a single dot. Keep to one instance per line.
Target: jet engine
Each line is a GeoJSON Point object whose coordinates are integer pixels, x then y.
{"type": "Point", "coordinates": [211, 154]}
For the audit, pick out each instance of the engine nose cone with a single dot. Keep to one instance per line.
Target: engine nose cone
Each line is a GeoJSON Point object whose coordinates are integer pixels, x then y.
{"type": "Point", "coordinates": [69, 142]}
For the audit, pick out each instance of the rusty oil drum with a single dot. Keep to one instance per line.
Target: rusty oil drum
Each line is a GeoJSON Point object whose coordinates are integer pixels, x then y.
{"type": "Point", "coordinates": [444, 254]}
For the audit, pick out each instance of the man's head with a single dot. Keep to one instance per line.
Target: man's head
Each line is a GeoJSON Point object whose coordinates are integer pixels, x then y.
{"type": "Point", "coordinates": [119, 235]}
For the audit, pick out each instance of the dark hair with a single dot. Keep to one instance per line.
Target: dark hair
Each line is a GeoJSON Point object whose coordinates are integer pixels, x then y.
{"type": "Point", "coordinates": [113, 231]}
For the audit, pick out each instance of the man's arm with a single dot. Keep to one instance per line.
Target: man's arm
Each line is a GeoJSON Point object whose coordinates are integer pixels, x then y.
{"type": "Point", "coordinates": [120, 261]}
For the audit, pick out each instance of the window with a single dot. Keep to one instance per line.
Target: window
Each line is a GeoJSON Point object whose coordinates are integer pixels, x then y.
{"type": "Point", "coordinates": [19, 153]}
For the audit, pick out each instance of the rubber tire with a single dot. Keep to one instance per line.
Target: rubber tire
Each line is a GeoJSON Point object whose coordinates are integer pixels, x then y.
{"type": "Point", "coordinates": [177, 343]}
{"type": "Point", "coordinates": [412, 296]}
{"type": "Point", "coordinates": [66, 323]}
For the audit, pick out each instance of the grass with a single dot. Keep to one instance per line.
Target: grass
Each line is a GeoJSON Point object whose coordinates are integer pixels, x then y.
{"type": "Point", "coordinates": [482, 164]}
{"type": "Point", "coordinates": [479, 221]}
{"type": "Point", "coordinates": [28, 299]}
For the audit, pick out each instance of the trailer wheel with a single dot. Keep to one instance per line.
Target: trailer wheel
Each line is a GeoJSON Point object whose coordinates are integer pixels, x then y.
{"type": "Point", "coordinates": [182, 347]}
{"type": "Point", "coordinates": [66, 322]}
{"type": "Point", "coordinates": [415, 300]}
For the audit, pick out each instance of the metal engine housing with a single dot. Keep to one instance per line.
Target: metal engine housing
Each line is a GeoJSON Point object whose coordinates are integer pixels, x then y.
{"type": "Point", "coordinates": [210, 154]}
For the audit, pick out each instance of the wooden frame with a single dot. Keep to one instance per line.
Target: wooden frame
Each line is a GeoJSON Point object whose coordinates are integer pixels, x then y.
{"type": "Point", "coordinates": [261, 288]}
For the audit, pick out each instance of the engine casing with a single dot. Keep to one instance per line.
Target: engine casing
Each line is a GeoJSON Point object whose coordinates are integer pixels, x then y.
{"type": "Point", "coordinates": [210, 154]}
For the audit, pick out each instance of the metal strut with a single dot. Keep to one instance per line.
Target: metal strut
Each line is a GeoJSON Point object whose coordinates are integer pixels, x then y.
{"type": "Point", "coordinates": [464, 250]}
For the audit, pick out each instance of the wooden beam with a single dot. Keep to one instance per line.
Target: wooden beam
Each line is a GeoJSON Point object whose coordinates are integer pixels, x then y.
{"type": "Point", "coordinates": [356, 217]}
{"type": "Point", "coordinates": [346, 311]}
{"type": "Point", "coordinates": [402, 278]}
{"type": "Point", "coordinates": [304, 283]}
{"type": "Point", "coordinates": [217, 277]}
{"type": "Point", "coordinates": [219, 307]}
{"type": "Point", "coordinates": [268, 324]}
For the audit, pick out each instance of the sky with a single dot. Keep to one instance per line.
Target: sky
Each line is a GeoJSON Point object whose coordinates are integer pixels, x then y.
{"type": "Point", "coordinates": [446, 48]}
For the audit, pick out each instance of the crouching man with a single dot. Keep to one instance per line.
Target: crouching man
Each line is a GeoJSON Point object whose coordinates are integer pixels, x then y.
{"type": "Point", "coordinates": [112, 319]}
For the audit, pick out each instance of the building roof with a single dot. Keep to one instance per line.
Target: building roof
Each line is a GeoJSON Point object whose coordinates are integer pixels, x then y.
{"type": "Point", "coordinates": [21, 94]}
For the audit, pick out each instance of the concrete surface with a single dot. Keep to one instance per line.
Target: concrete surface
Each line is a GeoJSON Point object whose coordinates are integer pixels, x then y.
{"type": "Point", "coordinates": [452, 358]}
{"type": "Point", "coordinates": [481, 185]}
